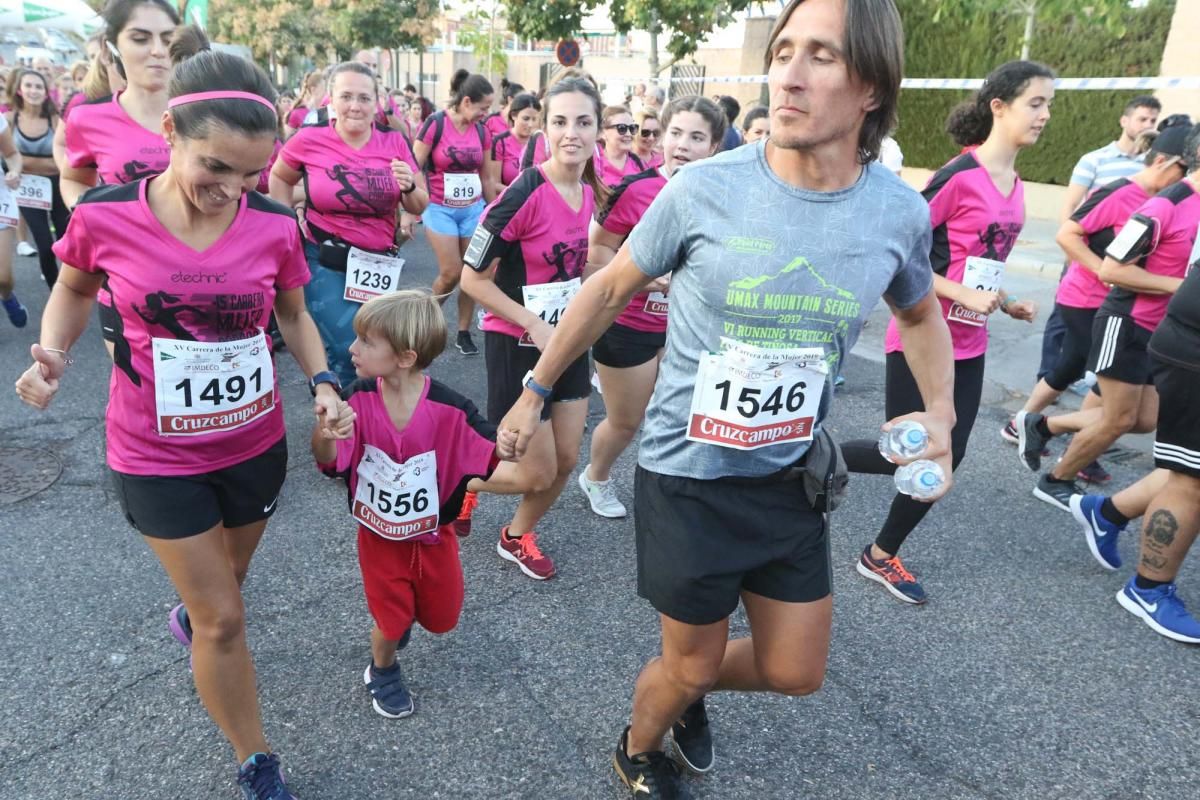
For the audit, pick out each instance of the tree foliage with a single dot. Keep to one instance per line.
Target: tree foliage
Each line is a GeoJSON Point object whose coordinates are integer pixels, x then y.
{"type": "Point", "coordinates": [689, 22]}
{"type": "Point", "coordinates": [1109, 13]}
{"type": "Point", "coordinates": [486, 42]}
{"type": "Point", "coordinates": [547, 19]}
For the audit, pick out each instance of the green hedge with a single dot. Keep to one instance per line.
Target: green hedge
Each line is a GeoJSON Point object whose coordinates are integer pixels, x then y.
{"type": "Point", "coordinates": [1080, 121]}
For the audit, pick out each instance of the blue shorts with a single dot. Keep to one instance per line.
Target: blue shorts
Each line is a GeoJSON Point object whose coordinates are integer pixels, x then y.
{"type": "Point", "coordinates": [448, 221]}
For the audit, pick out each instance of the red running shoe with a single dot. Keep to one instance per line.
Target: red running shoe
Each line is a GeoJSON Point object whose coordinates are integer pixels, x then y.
{"type": "Point", "coordinates": [523, 551]}
{"type": "Point", "coordinates": [462, 525]}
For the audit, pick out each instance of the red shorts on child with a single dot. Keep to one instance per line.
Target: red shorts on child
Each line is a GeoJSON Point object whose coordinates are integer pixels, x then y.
{"type": "Point", "coordinates": [407, 582]}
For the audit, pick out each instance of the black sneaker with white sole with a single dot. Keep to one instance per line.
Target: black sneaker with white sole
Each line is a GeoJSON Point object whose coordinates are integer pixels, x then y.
{"type": "Point", "coordinates": [649, 776]}
{"type": "Point", "coordinates": [389, 696]}
{"type": "Point", "coordinates": [692, 738]}
{"type": "Point", "coordinates": [1055, 492]}
{"type": "Point", "coordinates": [1031, 441]}
{"type": "Point", "coordinates": [465, 344]}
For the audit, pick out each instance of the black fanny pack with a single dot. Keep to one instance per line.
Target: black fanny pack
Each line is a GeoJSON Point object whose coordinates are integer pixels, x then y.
{"type": "Point", "coordinates": [821, 471]}
{"type": "Point", "coordinates": [334, 250]}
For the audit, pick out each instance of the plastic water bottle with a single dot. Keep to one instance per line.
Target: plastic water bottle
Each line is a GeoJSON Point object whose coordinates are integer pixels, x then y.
{"type": "Point", "coordinates": [905, 440]}
{"type": "Point", "coordinates": [920, 479]}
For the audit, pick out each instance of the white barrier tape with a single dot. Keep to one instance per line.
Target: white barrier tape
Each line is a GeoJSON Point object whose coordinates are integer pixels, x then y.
{"type": "Point", "coordinates": [1094, 84]}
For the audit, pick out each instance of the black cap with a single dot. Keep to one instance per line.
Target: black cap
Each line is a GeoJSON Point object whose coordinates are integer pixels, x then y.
{"type": "Point", "coordinates": [1171, 141]}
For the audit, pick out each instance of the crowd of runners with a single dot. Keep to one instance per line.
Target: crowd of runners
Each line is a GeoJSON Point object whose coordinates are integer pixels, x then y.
{"type": "Point", "coordinates": [709, 276]}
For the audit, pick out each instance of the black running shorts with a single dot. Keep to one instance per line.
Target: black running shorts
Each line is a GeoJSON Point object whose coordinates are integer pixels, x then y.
{"type": "Point", "coordinates": [507, 362]}
{"type": "Point", "coordinates": [1177, 440]}
{"type": "Point", "coordinates": [1119, 350]}
{"type": "Point", "coordinates": [621, 347]}
{"type": "Point", "coordinates": [179, 506]}
{"type": "Point", "coordinates": [700, 543]}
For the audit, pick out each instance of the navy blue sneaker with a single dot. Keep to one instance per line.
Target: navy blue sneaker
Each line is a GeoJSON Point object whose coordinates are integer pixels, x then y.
{"type": "Point", "coordinates": [389, 696]}
{"type": "Point", "coordinates": [1101, 534]}
{"type": "Point", "coordinates": [260, 778]}
{"type": "Point", "coordinates": [1162, 610]}
{"type": "Point", "coordinates": [17, 314]}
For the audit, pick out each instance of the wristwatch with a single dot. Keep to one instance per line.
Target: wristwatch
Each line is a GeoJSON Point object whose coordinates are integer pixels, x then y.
{"type": "Point", "coordinates": [324, 377]}
{"type": "Point", "coordinates": [529, 383]}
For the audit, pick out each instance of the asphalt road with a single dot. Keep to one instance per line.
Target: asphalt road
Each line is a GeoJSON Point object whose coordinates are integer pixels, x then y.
{"type": "Point", "coordinates": [1022, 678]}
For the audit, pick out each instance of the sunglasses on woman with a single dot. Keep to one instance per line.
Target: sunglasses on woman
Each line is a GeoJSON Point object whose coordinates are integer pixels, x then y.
{"type": "Point", "coordinates": [651, 133]}
{"type": "Point", "coordinates": [624, 130]}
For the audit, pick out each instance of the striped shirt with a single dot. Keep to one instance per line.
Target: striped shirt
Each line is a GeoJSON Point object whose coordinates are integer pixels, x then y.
{"type": "Point", "coordinates": [1103, 166]}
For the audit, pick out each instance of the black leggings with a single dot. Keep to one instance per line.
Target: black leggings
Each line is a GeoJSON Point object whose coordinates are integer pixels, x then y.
{"type": "Point", "coordinates": [38, 222]}
{"type": "Point", "coordinates": [903, 397]}
{"type": "Point", "coordinates": [1076, 344]}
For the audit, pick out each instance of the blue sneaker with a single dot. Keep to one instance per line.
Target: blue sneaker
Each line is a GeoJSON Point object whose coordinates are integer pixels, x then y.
{"type": "Point", "coordinates": [1162, 610]}
{"type": "Point", "coordinates": [389, 696]}
{"type": "Point", "coordinates": [1101, 534]}
{"type": "Point", "coordinates": [17, 314]}
{"type": "Point", "coordinates": [260, 778]}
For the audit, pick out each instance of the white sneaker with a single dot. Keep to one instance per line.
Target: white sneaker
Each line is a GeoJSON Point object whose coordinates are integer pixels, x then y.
{"type": "Point", "coordinates": [26, 249]}
{"type": "Point", "coordinates": [602, 495]}
{"type": "Point", "coordinates": [479, 318]}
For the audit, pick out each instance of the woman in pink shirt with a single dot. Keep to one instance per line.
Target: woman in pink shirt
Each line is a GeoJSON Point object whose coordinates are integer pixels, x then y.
{"type": "Point", "coordinates": [614, 156]}
{"type": "Point", "coordinates": [450, 148]}
{"type": "Point", "coordinates": [628, 354]}
{"type": "Point", "coordinates": [499, 122]}
{"type": "Point", "coordinates": [647, 143]}
{"type": "Point", "coordinates": [357, 178]}
{"type": "Point", "coordinates": [526, 262]}
{"type": "Point", "coordinates": [194, 430]}
{"type": "Point", "coordinates": [976, 210]}
{"type": "Point", "coordinates": [503, 162]}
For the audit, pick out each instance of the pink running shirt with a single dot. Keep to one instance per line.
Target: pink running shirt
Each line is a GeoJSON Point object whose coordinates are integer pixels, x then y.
{"type": "Point", "coordinates": [456, 152]}
{"type": "Point", "coordinates": [611, 176]}
{"type": "Point", "coordinates": [1103, 213]}
{"type": "Point", "coordinates": [100, 134]}
{"type": "Point", "coordinates": [496, 124]}
{"type": "Point", "coordinates": [626, 205]}
{"type": "Point", "coordinates": [506, 149]}
{"type": "Point", "coordinates": [443, 421]}
{"type": "Point", "coordinates": [537, 237]}
{"type": "Point", "coordinates": [351, 193]}
{"type": "Point", "coordinates": [1176, 214]}
{"type": "Point", "coordinates": [536, 152]}
{"type": "Point", "coordinates": [162, 288]}
{"type": "Point", "coordinates": [970, 217]}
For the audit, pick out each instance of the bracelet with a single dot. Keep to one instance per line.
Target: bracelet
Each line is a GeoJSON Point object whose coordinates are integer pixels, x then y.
{"type": "Point", "coordinates": [67, 360]}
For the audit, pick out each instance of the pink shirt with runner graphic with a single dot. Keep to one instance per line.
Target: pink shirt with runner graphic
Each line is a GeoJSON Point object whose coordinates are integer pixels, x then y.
{"type": "Point", "coordinates": [1101, 216]}
{"type": "Point", "coordinates": [970, 217]}
{"type": "Point", "coordinates": [161, 288]}
{"type": "Point", "coordinates": [442, 421]}
{"type": "Point", "coordinates": [351, 193]}
{"type": "Point", "coordinates": [1175, 212]}
{"type": "Point", "coordinates": [456, 152]}
{"type": "Point", "coordinates": [537, 237]}
{"type": "Point", "coordinates": [101, 134]}
{"type": "Point", "coordinates": [626, 206]}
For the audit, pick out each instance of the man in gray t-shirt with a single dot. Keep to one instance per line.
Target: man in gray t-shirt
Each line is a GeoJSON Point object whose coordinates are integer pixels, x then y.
{"type": "Point", "coordinates": [776, 252]}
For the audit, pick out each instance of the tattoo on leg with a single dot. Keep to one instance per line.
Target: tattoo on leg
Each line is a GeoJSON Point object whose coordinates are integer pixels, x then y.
{"type": "Point", "coordinates": [1154, 562]}
{"type": "Point", "coordinates": [1160, 533]}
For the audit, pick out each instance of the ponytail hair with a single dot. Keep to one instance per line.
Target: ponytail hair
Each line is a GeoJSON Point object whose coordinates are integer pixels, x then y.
{"type": "Point", "coordinates": [1143, 143]}
{"type": "Point", "coordinates": [509, 90]}
{"type": "Point", "coordinates": [214, 72]}
{"type": "Point", "coordinates": [585, 87]}
{"type": "Point", "coordinates": [970, 122]}
{"type": "Point", "coordinates": [521, 102]}
{"type": "Point", "coordinates": [465, 86]}
{"type": "Point", "coordinates": [187, 41]}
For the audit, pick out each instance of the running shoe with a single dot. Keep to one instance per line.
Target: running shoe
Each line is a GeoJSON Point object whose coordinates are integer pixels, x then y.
{"type": "Point", "coordinates": [180, 625]}
{"type": "Point", "coordinates": [1056, 493]}
{"type": "Point", "coordinates": [1101, 534]}
{"type": "Point", "coordinates": [260, 778]}
{"type": "Point", "coordinates": [692, 738]}
{"type": "Point", "coordinates": [26, 249]}
{"type": "Point", "coordinates": [1031, 443]}
{"type": "Point", "coordinates": [892, 575]}
{"type": "Point", "coordinates": [479, 315]}
{"type": "Point", "coordinates": [1080, 387]}
{"type": "Point", "coordinates": [465, 344]}
{"type": "Point", "coordinates": [1009, 433]}
{"type": "Point", "coordinates": [389, 696]}
{"type": "Point", "coordinates": [18, 315]}
{"type": "Point", "coordinates": [462, 524]}
{"type": "Point", "coordinates": [649, 776]}
{"type": "Point", "coordinates": [523, 551]}
{"type": "Point", "coordinates": [1094, 473]}
{"type": "Point", "coordinates": [839, 381]}
{"type": "Point", "coordinates": [602, 495]}
{"type": "Point", "coordinates": [1161, 609]}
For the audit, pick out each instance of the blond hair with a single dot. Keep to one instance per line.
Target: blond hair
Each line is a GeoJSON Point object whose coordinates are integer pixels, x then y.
{"type": "Point", "coordinates": [409, 320]}
{"type": "Point", "coordinates": [644, 114]}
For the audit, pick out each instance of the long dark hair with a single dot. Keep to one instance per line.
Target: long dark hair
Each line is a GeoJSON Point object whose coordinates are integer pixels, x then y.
{"type": "Point", "coordinates": [710, 111]}
{"type": "Point", "coordinates": [211, 71]}
{"type": "Point", "coordinates": [46, 109]}
{"type": "Point", "coordinates": [874, 50]}
{"type": "Point", "coordinates": [521, 102]}
{"type": "Point", "coordinates": [586, 88]}
{"type": "Point", "coordinates": [465, 86]}
{"type": "Point", "coordinates": [970, 122]}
